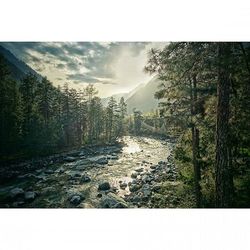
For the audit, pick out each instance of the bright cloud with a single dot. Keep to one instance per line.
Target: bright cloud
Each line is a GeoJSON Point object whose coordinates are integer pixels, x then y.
{"type": "Point", "coordinates": [111, 67]}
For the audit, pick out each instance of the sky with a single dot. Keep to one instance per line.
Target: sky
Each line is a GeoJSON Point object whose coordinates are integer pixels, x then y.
{"type": "Point", "coordinates": [113, 67]}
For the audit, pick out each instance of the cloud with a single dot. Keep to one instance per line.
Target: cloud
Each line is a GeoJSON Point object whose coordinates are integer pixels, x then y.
{"type": "Point", "coordinates": [78, 78]}
{"type": "Point", "coordinates": [60, 66]}
{"type": "Point", "coordinates": [115, 64]}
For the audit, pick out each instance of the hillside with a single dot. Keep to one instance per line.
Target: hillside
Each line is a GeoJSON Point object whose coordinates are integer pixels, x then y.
{"type": "Point", "coordinates": [143, 99]}
{"type": "Point", "coordinates": [17, 67]}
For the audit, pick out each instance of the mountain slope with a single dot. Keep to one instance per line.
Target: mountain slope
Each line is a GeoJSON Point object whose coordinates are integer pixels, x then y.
{"type": "Point", "coordinates": [17, 67]}
{"type": "Point", "coordinates": [143, 99]}
{"type": "Point", "coordinates": [116, 96]}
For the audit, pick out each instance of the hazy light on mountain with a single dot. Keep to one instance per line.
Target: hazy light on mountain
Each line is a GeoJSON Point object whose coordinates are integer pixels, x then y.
{"type": "Point", "coordinates": [112, 67]}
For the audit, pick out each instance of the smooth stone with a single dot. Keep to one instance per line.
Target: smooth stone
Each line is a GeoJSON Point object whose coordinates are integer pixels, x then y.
{"type": "Point", "coordinates": [18, 203]}
{"type": "Point", "coordinates": [85, 179]}
{"type": "Point", "coordinates": [134, 175]}
{"type": "Point", "coordinates": [112, 200]}
{"type": "Point", "coordinates": [102, 160]}
{"type": "Point", "coordinates": [29, 196]}
{"type": "Point", "coordinates": [139, 170]}
{"type": "Point", "coordinates": [104, 186]}
{"type": "Point", "coordinates": [134, 188]}
{"type": "Point", "coordinates": [49, 171]}
{"type": "Point", "coordinates": [16, 192]}
{"type": "Point", "coordinates": [75, 174]}
{"type": "Point", "coordinates": [76, 199]}
{"type": "Point", "coordinates": [69, 158]}
{"type": "Point", "coordinates": [123, 185]}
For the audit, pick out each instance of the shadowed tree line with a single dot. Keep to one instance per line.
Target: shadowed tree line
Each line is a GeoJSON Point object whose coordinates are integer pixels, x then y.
{"type": "Point", "coordinates": [37, 118]}
{"type": "Point", "coordinates": [205, 92]}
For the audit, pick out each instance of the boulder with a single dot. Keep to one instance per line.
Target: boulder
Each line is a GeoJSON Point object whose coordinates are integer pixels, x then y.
{"type": "Point", "coordinates": [134, 188]}
{"type": "Point", "coordinates": [75, 174]}
{"type": "Point", "coordinates": [104, 186]}
{"type": "Point", "coordinates": [139, 170]}
{"type": "Point", "coordinates": [76, 199]}
{"type": "Point", "coordinates": [99, 195]}
{"type": "Point", "coordinates": [49, 171]}
{"type": "Point", "coordinates": [134, 175]}
{"type": "Point", "coordinates": [146, 179]}
{"type": "Point", "coordinates": [123, 185]}
{"type": "Point", "coordinates": [136, 199]}
{"type": "Point", "coordinates": [112, 157]}
{"type": "Point", "coordinates": [85, 179]}
{"type": "Point", "coordinates": [156, 188]}
{"type": "Point", "coordinates": [146, 191]}
{"type": "Point", "coordinates": [112, 200]}
{"type": "Point", "coordinates": [69, 158]}
{"type": "Point", "coordinates": [29, 196]}
{"type": "Point", "coordinates": [102, 160]}
{"type": "Point", "coordinates": [82, 162]}
{"type": "Point", "coordinates": [16, 192]}
{"type": "Point", "coordinates": [18, 203]}
{"type": "Point", "coordinates": [60, 170]}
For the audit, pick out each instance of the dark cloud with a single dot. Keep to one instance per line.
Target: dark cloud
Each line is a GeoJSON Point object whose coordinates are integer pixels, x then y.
{"type": "Point", "coordinates": [95, 57]}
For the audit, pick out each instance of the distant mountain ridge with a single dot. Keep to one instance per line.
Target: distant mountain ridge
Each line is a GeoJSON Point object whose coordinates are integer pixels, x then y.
{"type": "Point", "coordinates": [140, 98]}
{"type": "Point", "coordinates": [143, 99]}
{"type": "Point", "coordinates": [17, 67]}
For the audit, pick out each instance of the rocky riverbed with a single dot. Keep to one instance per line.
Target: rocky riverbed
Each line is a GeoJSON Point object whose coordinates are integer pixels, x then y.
{"type": "Point", "coordinates": [132, 174]}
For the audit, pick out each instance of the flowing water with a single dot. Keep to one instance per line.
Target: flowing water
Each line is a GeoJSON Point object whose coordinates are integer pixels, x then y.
{"type": "Point", "coordinates": [56, 184]}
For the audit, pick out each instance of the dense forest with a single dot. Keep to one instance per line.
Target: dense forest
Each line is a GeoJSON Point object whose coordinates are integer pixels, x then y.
{"type": "Point", "coordinates": [207, 96]}
{"type": "Point", "coordinates": [38, 118]}
{"type": "Point", "coordinates": [204, 109]}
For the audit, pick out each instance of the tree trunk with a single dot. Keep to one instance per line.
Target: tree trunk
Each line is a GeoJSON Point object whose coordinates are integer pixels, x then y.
{"type": "Point", "coordinates": [224, 186]}
{"type": "Point", "coordinates": [197, 174]}
{"type": "Point", "coordinates": [195, 143]}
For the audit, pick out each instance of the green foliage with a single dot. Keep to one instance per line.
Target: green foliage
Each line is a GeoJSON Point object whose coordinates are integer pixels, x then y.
{"type": "Point", "coordinates": [37, 119]}
{"type": "Point", "coordinates": [190, 73]}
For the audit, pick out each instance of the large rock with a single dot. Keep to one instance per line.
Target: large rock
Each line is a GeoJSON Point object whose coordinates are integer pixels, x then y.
{"type": "Point", "coordinates": [49, 171]}
{"type": "Point", "coordinates": [112, 200]}
{"type": "Point", "coordinates": [134, 175]}
{"type": "Point", "coordinates": [146, 179]}
{"type": "Point", "coordinates": [156, 188]}
{"type": "Point", "coordinates": [139, 170]}
{"type": "Point", "coordinates": [75, 174]}
{"type": "Point", "coordinates": [123, 185]}
{"type": "Point", "coordinates": [29, 196]}
{"type": "Point", "coordinates": [112, 157]}
{"type": "Point", "coordinates": [102, 160]}
{"type": "Point", "coordinates": [60, 170]}
{"type": "Point", "coordinates": [85, 179]}
{"type": "Point", "coordinates": [70, 158]}
{"type": "Point", "coordinates": [104, 186]}
{"type": "Point", "coordinates": [16, 192]}
{"type": "Point", "coordinates": [83, 162]}
{"type": "Point", "coordinates": [146, 191]}
{"type": "Point", "coordinates": [134, 188]}
{"type": "Point", "coordinates": [76, 199]}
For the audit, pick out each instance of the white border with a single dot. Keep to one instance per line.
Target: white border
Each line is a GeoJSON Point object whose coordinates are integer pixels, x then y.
{"type": "Point", "coordinates": [186, 229]}
{"type": "Point", "coordinates": [130, 20]}
{"type": "Point", "coordinates": [120, 20]}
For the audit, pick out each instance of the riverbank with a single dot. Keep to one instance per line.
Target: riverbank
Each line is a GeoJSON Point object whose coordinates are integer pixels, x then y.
{"type": "Point", "coordinates": [12, 169]}
{"type": "Point", "coordinates": [133, 173]}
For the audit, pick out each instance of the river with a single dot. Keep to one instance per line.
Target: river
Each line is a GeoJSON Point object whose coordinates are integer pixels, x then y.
{"type": "Point", "coordinates": [55, 186]}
